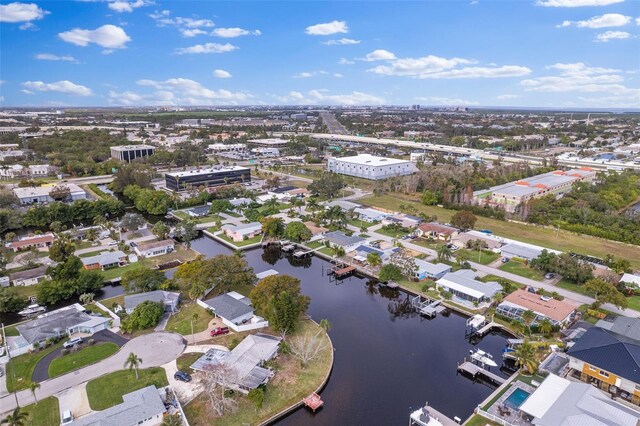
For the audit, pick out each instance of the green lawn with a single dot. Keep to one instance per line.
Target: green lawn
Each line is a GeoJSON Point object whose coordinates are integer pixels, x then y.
{"type": "Point", "coordinates": [392, 233]}
{"type": "Point", "coordinates": [477, 420]}
{"type": "Point", "coordinates": [244, 243]}
{"type": "Point", "coordinates": [484, 257]}
{"type": "Point", "coordinates": [93, 308]}
{"type": "Point", "coordinates": [110, 274]}
{"type": "Point", "coordinates": [521, 269]}
{"type": "Point", "coordinates": [20, 369]}
{"type": "Point", "coordinates": [545, 237]}
{"type": "Point", "coordinates": [496, 278]}
{"type": "Point", "coordinates": [109, 302]}
{"type": "Point", "coordinates": [181, 321]}
{"type": "Point", "coordinates": [360, 223]}
{"type": "Point", "coordinates": [93, 253]}
{"type": "Point", "coordinates": [106, 391]}
{"type": "Point", "coordinates": [184, 361]}
{"type": "Point", "coordinates": [204, 219]}
{"type": "Point", "coordinates": [45, 413]}
{"type": "Point", "coordinates": [11, 331]}
{"type": "Point", "coordinates": [570, 285]}
{"type": "Point", "coordinates": [86, 356]}
{"type": "Point", "coordinates": [25, 291]}
{"type": "Point", "coordinates": [313, 244]}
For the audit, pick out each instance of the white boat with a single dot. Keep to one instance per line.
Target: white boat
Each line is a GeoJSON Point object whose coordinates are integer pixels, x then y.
{"type": "Point", "coordinates": [32, 310]}
{"type": "Point", "coordinates": [423, 417]}
{"type": "Point", "coordinates": [482, 357]}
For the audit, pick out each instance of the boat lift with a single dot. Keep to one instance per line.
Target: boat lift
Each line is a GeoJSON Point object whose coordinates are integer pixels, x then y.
{"type": "Point", "coordinates": [427, 307]}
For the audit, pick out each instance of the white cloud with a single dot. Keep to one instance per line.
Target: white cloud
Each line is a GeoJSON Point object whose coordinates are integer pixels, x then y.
{"type": "Point", "coordinates": [109, 36]}
{"type": "Point", "coordinates": [321, 97]}
{"type": "Point", "coordinates": [638, 20]}
{"type": "Point", "coordinates": [437, 67]}
{"type": "Point", "coordinates": [188, 27]}
{"type": "Point", "coordinates": [221, 74]}
{"type": "Point", "coordinates": [127, 6]}
{"type": "Point", "coordinates": [338, 75]}
{"type": "Point", "coordinates": [52, 57]}
{"type": "Point", "coordinates": [604, 21]}
{"type": "Point", "coordinates": [341, 42]}
{"type": "Point", "coordinates": [207, 48]}
{"type": "Point", "coordinates": [233, 32]}
{"type": "Point", "coordinates": [63, 86]}
{"type": "Point", "coordinates": [507, 96]}
{"type": "Point", "coordinates": [178, 91]}
{"type": "Point", "coordinates": [379, 55]}
{"type": "Point", "coordinates": [612, 35]}
{"type": "Point", "coordinates": [333, 27]}
{"type": "Point", "coordinates": [576, 3]}
{"type": "Point", "coordinates": [21, 12]}
{"type": "Point", "coordinates": [435, 100]}
{"type": "Point", "coordinates": [345, 61]}
{"type": "Point", "coordinates": [309, 74]}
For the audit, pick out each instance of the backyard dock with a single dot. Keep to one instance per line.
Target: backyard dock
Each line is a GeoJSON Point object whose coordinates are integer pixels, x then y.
{"type": "Point", "coordinates": [423, 417]}
{"type": "Point", "coordinates": [485, 329]}
{"type": "Point", "coordinates": [475, 371]}
{"type": "Point", "coordinates": [343, 271]}
{"type": "Point", "coordinates": [313, 401]}
{"type": "Point", "coordinates": [427, 307]}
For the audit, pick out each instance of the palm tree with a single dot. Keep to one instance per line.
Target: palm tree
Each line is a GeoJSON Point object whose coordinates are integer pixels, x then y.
{"type": "Point", "coordinates": [498, 297]}
{"type": "Point", "coordinates": [92, 234]}
{"type": "Point", "coordinates": [526, 357]}
{"type": "Point", "coordinates": [132, 363]}
{"type": "Point", "coordinates": [17, 418]}
{"type": "Point", "coordinates": [33, 387]}
{"type": "Point", "coordinates": [297, 202]}
{"type": "Point", "coordinates": [528, 317]}
{"type": "Point", "coordinates": [312, 204]}
{"type": "Point", "coordinates": [373, 259]}
{"type": "Point", "coordinates": [339, 251]}
{"type": "Point", "coordinates": [545, 326]}
{"type": "Point", "coordinates": [173, 420]}
{"type": "Point", "coordinates": [517, 327]}
{"type": "Point", "coordinates": [444, 253]}
{"type": "Point", "coordinates": [194, 317]}
{"type": "Point", "coordinates": [325, 325]}
{"type": "Point", "coordinates": [272, 203]}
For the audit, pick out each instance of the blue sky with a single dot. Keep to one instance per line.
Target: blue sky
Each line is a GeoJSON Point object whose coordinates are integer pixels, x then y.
{"type": "Point", "coordinates": [547, 53]}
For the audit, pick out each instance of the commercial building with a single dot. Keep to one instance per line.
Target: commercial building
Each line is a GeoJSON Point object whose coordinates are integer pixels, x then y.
{"type": "Point", "coordinates": [463, 285]}
{"type": "Point", "coordinates": [515, 304]}
{"type": "Point", "coordinates": [272, 142]}
{"type": "Point", "coordinates": [43, 194]}
{"type": "Point", "coordinates": [17, 171]}
{"type": "Point", "coordinates": [128, 153]}
{"type": "Point", "coordinates": [210, 177]}
{"type": "Point", "coordinates": [224, 148]}
{"type": "Point", "coordinates": [367, 166]}
{"type": "Point", "coordinates": [510, 195]}
{"type": "Point", "coordinates": [266, 151]}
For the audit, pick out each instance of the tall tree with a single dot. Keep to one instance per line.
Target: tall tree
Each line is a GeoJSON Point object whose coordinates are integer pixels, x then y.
{"type": "Point", "coordinates": [604, 292]}
{"type": "Point", "coordinates": [279, 299]}
{"type": "Point", "coordinates": [132, 363]}
{"type": "Point", "coordinates": [16, 418]}
{"type": "Point", "coordinates": [464, 220]}
{"type": "Point", "coordinates": [33, 387]}
{"type": "Point", "coordinates": [526, 357]}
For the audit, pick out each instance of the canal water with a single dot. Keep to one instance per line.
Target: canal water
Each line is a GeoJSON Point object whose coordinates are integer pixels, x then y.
{"type": "Point", "coordinates": [388, 360]}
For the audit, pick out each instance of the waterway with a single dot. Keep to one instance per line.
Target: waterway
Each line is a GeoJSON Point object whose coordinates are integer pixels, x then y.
{"type": "Point", "coordinates": [388, 360]}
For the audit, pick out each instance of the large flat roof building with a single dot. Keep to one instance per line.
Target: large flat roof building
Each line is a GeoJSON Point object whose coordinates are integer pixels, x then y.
{"type": "Point", "coordinates": [209, 177]}
{"type": "Point", "coordinates": [274, 142]}
{"type": "Point", "coordinates": [370, 167]}
{"type": "Point", "coordinates": [128, 153]}
{"type": "Point", "coordinates": [41, 194]}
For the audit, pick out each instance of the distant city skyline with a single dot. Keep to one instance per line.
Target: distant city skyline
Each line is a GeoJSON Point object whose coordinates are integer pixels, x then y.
{"type": "Point", "coordinates": [532, 53]}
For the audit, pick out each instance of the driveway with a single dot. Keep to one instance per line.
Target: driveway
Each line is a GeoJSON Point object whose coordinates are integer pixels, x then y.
{"type": "Point", "coordinates": [75, 400]}
{"type": "Point", "coordinates": [155, 349]}
{"type": "Point", "coordinates": [41, 372]}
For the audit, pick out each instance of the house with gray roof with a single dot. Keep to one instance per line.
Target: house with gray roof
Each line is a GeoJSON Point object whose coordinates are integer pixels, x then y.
{"type": "Point", "coordinates": [463, 285]}
{"type": "Point", "coordinates": [233, 308]}
{"type": "Point", "coordinates": [143, 407]}
{"type": "Point", "coordinates": [523, 252]}
{"type": "Point", "coordinates": [29, 277]}
{"type": "Point", "coordinates": [428, 270]}
{"type": "Point", "coordinates": [105, 260]}
{"type": "Point", "coordinates": [340, 239]}
{"type": "Point", "coordinates": [169, 299]}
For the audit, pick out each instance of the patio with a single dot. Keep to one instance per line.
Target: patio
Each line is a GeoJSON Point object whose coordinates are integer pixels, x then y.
{"type": "Point", "coordinates": [501, 408]}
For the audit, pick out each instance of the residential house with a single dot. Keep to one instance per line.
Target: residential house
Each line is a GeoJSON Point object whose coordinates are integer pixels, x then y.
{"type": "Point", "coordinates": [42, 194]}
{"type": "Point", "coordinates": [143, 407]}
{"type": "Point", "coordinates": [29, 277]}
{"type": "Point", "coordinates": [490, 242]}
{"type": "Point", "coordinates": [316, 231]}
{"type": "Point", "coordinates": [625, 326]}
{"type": "Point", "coordinates": [65, 321]}
{"type": "Point", "coordinates": [169, 299]}
{"type": "Point", "coordinates": [243, 231]}
{"type": "Point", "coordinates": [245, 359]}
{"type": "Point", "coordinates": [105, 260]}
{"type": "Point", "coordinates": [233, 308]}
{"type": "Point", "coordinates": [560, 402]}
{"type": "Point", "coordinates": [463, 285]}
{"type": "Point", "coordinates": [631, 280]}
{"type": "Point", "coordinates": [608, 360]}
{"type": "Point", "coordinates": [4, 281]}
{"type": "Point", "coordinates": [340, 239]}
{"type": "Point", "coordinates": [404, 220]}
{"type": "Point", "coordinates": [428, 270]}
{"type": "Point", "coordinates": [344, 205]}
{"type": "Point", "coordinates": [155, 248]}
{"type": "Point", "coordinates": [32, 242]}
{"type": "Point", "coordinates": [520, 251]}
{"type": "Point", "coordinates": [437, 231]}
{"type": "Point", "coordinates": [369, 215]}
{"type": "Point", "coordinates": [239, 202]}
{"type": "Point", "coordinates": [515, 304]}
{"type": "Point", "coordinates": [199, 211]}
{"type": "Point", "coordinates": [362, 251]}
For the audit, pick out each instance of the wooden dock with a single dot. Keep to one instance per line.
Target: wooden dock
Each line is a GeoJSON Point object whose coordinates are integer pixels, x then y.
{"type": "Point", "coordinates": [486, 328]}
{"type": "Point", "coordinates": [475, 371]}
{"type": "Point", "coordinates": [343, 272]}
{"type": "Point", "coordinates": [313, 401]}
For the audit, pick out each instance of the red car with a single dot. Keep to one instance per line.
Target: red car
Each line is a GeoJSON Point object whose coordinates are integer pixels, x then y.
{"type": "Point", "coordinates": [219, 331]}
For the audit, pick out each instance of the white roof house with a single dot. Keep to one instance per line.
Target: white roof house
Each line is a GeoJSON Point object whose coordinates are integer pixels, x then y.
{"type": "Point", "coordinates": [463, 284]}
{"type": "Point", "coordinates": [631, 279]}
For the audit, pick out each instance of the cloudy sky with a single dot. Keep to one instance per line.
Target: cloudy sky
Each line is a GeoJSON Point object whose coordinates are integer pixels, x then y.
{"type": "Point", "coordinates": [547, 53]}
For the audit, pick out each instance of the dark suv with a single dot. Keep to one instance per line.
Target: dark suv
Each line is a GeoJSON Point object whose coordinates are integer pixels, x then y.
{"type": "Point", "coordinates": [182, 376]}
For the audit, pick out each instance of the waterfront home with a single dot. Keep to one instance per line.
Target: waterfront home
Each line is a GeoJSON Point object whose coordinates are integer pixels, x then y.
{"type": "Point", "coordinates": [68, 320]}
{"type": "Point", "coordinates": [199, 211]}
{"type": "Point", "coordinates": [155, 248]}
{"type": "Point", "coordinates": [515, 304]}
{"type": "Point", "coordinates": [233, 308]}
{"type": "Point", "coordinates": [29, 277]}
{"type": "Point", "coordinates": [169, 299]}
{"type": "Point", "coordinates": [609, 361]}
{"type": "Point", "coordinates": [437, 231]}
{"type": "Point", "coordinates": [340, 239]}
{"type": "Point", "coordinates": [527, 253]}
{"type": "Point", "coordinates": [32, 242]}
{"type": "Point", "coordinates": [243, 231]}
{"type": "Point", "coordinates": [362, 251]}
{"type": "Point", "coordinates": [239, 202]}
{"type": "Point", "coordinates": [427, 270]}
{"type": "Point", "coordinates": [105, 260]}
{"type": "Point", "coordinates": [316, 231]}
{"type": "Point", "coordinates": [463, 285]}
{"type": "Point", "coordinates": [245, 359]}
{"type": "Point", "coordinates": [630, 280]}
{"type": "Point", "coordinates": [143, 407]}
{"type": "Point", "coordinates": [625, 326]}
{"type": "Point", "coordinates": [559, 402]}
{"type": "Point", "coordinates": [369, 215]}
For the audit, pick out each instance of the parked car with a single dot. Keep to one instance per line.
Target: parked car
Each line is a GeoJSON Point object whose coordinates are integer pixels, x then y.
{"type": "Point", "coordinates": [1, 372]}
{"type": "Point", "coordinates": [549, 275]}
{"type": "Point", "coordinates": [73, 342]}
{"type": "Point", "coordinates": [67, 417]}
{"type": "Point", "coordinates": [219, 331]}
{"type": "Point", "coordinates": [532, 290]}
{"type": "Point", "coordinates": [182, 376]}
{"type": "Point", "coordinates": [505, 259]}
{"type": "Point", "coordinates": [113, 243]}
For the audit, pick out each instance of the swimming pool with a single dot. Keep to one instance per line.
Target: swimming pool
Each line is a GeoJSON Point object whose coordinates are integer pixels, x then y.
{"type": "Point", "coordinates": [516, 398]}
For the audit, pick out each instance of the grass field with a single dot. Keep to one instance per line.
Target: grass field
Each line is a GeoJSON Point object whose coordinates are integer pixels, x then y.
{"type": "Point", "coordinates": [393, 233]}
{"type": "Point", "coordinates": [112, 273]}
{"type": "Point", "coordinates": [244, 243]}
{"type": "Point", "coordinates": [45, 413]}
{"type": "Point", "coordinates": [20, 369]}
{"type": "Point", "coordinates": [521, 269]}
{"type": "Point", "coordinates": [563, 241]}
{"type": "Point", "coordinates": [484, 257]}
{"type": "Point", "coordinates": [205, 219]}
{"type": "Point", "coordinates": [181, 321]}
{"type": "Point", "coordinates": [86, 356]}
{"type": "Point", "coordinates": [360, 223]}
{"type": "Point", "coordinates": [633, 301]}
{"type": "Point", "coordinates": [184, 361]}
{"type": "Point", "coordinates": [107, 391]}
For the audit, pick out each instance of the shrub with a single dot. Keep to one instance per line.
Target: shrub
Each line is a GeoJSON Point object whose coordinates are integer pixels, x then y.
{"type": "Point", "coordinates": [91, 342]}
{"type": "Point", "coordinates": [64, 351]}
{"type": "Point", "coordinates": [234, 342]}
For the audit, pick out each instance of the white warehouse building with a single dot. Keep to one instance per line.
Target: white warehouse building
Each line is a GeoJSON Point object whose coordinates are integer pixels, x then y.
{"type": "Point", "coordinates": [371, 167]}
